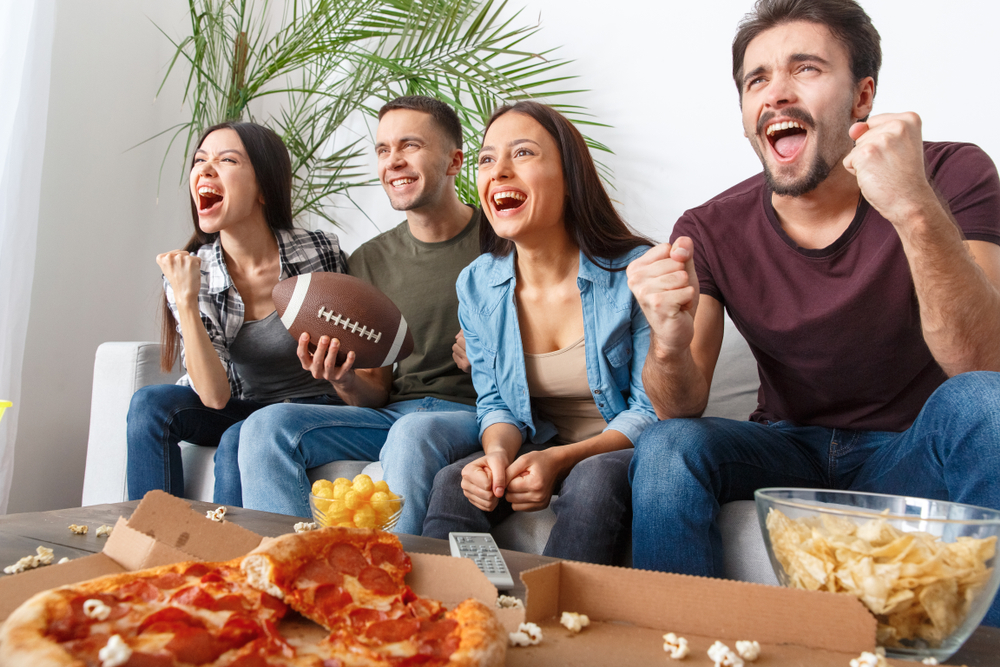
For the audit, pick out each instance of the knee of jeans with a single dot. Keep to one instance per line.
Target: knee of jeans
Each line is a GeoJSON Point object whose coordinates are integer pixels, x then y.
{"type": "Point", "coordinates": [449, 476]}
{"type": "Point", "coordinates": [667, 447]}
{"type": "Point", "coordinates": [603, 470]}
{"type": "Point", "coordinates": [263, 427]}
{"type": "Point", "coordinates": [977, 390]}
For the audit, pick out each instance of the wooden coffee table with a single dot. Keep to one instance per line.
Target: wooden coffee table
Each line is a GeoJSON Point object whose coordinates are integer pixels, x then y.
{"type": "Point", "coordinates": [21, 534]}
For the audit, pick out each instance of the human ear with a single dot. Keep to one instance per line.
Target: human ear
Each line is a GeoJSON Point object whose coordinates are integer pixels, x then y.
{"type": "Point", "coordinates": [457, 158]}
{"type": "Point", "coordinates": [864, 98]}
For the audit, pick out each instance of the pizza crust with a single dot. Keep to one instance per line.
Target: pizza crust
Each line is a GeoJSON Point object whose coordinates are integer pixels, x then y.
{"type": "Point", "coordinates": [483, 639]}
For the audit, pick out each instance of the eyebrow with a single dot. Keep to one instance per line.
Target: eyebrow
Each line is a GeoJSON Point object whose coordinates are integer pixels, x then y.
{"type": "Point", "coordinates": [513, 143]}
{"type": "Point", "coordinates": [223, 152]}
{"type": "Point", "coordinates": [794, 58]}
{"type": "Point", "coordinates": [401, 140]}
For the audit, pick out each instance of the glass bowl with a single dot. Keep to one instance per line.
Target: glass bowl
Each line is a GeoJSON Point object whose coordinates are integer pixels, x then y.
{"type": "Point", "coordinates": [925, 568]}
{"type": "Point", "coordinates": [381, 515]}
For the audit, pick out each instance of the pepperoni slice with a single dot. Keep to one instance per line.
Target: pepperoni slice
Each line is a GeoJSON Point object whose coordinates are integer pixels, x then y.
{"type": "Point", "coordinates": [149, 660]}
{"type": "Point", "coordinates": [193, 596]}
{"type": "Point", "coordinates": [329, 598]}
{"type": "Point", "coordinates": [197, 570]}
{"type": "Point", "coordinates": [363, 617]}
{"type": "Point", "coordinates": [254, 659]}
{"type": "Point", "coordinates": [196, 645]}
{"type": "Point", "coordinates": [391, 554]}
{"type": "Point", "coordinates": [212, 577]}
{"type": "Point", "coordinates": [139, 589]}
{"type": "Point", "coordinates": [348, 559]}
{"type": "Point", "coordinates": [274, 604]}
{"type": "Point", "coordinates": [378, 581]}
{"type": "Point", "coordinates": [168, 580]}
{"type": "Point", "coordinates": [321, 572]}
{"type": "Point", "coordinates": [435, 630]}
{"type": "Point", "coordinates": [166, 620]}
{"type": "Point", "coordinates": [238, 631]}
{"type": "Point", "coordinates": [228, 603]}
{"type": "Point", "coordinates": [393, 630]}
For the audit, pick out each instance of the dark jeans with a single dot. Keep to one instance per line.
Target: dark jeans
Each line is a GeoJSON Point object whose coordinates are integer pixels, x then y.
{"type": "Point", "coordinates": [160, 416]}
{"type": "Point", "coordinates": [684, 469]}
{"type": "Point", "coordinates": [593, 510]}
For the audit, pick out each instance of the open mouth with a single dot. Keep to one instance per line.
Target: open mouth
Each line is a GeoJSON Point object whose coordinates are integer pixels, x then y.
{"type": "Point", "coordinates": [208, 198]}
{"type": "Point", "coordinates": [508, 200]}
{"type": "Point", "coordinates": [400, 182]}
{"type": "Point", "coordinates": [786, 138]}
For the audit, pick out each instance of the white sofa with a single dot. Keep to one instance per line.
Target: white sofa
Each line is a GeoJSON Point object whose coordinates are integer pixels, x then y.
{"type": "Point", "coordinates": [122, 368]}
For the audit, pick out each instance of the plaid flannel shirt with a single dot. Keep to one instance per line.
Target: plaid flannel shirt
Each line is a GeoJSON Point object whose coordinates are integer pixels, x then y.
{"type": "Point", "coordinates": [300, 251]}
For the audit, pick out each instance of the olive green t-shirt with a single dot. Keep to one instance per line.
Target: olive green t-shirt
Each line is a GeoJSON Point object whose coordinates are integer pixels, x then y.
{"type": "Point", "coordinates": [420, 279]}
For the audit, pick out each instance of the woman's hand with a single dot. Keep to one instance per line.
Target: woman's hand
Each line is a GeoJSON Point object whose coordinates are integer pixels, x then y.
{"type": "Point", "coordinates": [532, 477]}
{"type": "Point", "coordinates": [484, 480]}
{"type": "Point", "coordinates": [323, 362]}
{"type": "Point", "coordinates": [183, 271]}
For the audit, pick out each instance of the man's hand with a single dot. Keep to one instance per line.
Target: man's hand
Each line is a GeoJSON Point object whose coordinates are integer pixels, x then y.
{"type": "Point", "coordinates": [323, 362]}
{"type": "Point", "coordinates": [666, 287]}
{"type": "Point", "coordinates": [532, 477]}
{"type": "Point", "coordinates": [458, 352]}
{"type": "Point", "coordinates": [888, 161]}
{"type": "Point", "coordinates": [183, 271]}
{"type": "Point", "coordinates": [484, 480]}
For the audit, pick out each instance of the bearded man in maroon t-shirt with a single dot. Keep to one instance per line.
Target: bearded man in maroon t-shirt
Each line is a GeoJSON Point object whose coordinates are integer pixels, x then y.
{"type": "Point", "coordinates": [863, 269]}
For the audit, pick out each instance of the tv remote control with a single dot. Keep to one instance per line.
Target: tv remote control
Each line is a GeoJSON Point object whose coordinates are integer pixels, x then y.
{"type": "Point", "coordinates": [483, 550]}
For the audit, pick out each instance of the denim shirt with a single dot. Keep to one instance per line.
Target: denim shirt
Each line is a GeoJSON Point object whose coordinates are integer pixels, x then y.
{"type": "Point", "coordinates": [616, 339]}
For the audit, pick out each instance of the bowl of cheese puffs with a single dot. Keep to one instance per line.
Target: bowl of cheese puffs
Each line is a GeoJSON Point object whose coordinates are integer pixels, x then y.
{"type": "Point", "coordinates": [357, 503]}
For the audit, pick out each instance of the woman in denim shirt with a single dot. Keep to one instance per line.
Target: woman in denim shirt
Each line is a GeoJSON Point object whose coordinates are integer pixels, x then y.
{"type": "Point", "coordinates": [556, 342]}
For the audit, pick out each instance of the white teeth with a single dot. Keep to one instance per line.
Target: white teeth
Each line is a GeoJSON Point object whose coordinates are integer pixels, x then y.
{"type": "Point", "coordinates": [786, 125]}
{"type": "Point", "coordinates": [208, 190]}
{"type": "Point", "coordinates": [401, 181]}
{"type": "Point", "coordinates": [509, 195]}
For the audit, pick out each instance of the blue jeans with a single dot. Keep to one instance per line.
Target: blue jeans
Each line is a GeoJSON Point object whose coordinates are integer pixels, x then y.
{"type": "Point", "coordinates": [684, 469]}
{"type": "Point", "coordinates": [413, 440]}
{"type": "Point", "coordinates": [162, 415]}
{"type": "Point", "coordinates": [593, 510]}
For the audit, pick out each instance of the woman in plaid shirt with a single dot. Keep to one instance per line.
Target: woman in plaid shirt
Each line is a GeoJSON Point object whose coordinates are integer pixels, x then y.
{"type": "Point", "coordinates": [219, 314]}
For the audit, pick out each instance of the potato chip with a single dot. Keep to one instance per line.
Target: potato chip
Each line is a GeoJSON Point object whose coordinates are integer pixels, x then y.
{"type": "Point", "coordinates": [918, 587]}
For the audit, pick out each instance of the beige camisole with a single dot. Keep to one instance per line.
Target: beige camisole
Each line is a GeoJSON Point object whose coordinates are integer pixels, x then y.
{"type": "Point", "coordinates": [557, 384]}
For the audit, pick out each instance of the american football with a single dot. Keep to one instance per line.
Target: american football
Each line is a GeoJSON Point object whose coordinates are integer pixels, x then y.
{"type": "Point", "coordinates": [356, 313]}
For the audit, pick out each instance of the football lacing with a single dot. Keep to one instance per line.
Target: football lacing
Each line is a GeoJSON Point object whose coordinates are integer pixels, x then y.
{"type": "Point", "coordinates": [345, 322]}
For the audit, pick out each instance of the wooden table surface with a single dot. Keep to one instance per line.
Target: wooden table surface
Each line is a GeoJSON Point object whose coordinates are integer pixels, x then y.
{"type": "Point", "coordinates": [21, 534]}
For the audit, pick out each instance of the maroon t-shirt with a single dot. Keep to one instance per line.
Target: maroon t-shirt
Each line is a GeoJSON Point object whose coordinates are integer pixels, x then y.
{"type": "Point", "coordinates": [835, 331]}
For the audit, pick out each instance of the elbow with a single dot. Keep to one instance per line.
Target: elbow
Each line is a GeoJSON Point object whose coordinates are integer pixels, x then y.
{"type": "Point", "coordinates": [216, 402]}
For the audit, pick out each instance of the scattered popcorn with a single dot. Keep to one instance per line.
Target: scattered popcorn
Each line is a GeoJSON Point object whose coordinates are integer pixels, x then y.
{"type": "Point", "coordinates": [867, 659]}
{"type": "Point", "coordinates": [748, 650]}
{"type": "Point", "coordinates": [723, 656]}
{"type": "Point", "coordinates": [305, 526]}
{"type": "Point", "coordinates": [116, 653]}
{"type": "Point", "coordinates": [62, 560]}
{"type": "Point", "coordinates": [528, 634]}
{"type": "Point", "coordinates": [217, 514]}
{"type": "Point", "coordinates": [573, 621]}
{"type": "Point", "coordinates": [104, 531]}
{"type": "Point", "coordinates": [930, 660]}
{"type": "Point", "coordinates": [676, 646]}
{"type": "Point", "coordinates": [78, 530]}
{"type": "Point", "coordinates": [509, 602]}
{"type": "Point", "coordinates": [96, 610]}
{"type": "Point", "coordinates": [44, 557]}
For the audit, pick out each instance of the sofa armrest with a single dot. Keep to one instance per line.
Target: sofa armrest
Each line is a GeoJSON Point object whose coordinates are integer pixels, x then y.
{"type": "Point", "coordinates": [119, 370]}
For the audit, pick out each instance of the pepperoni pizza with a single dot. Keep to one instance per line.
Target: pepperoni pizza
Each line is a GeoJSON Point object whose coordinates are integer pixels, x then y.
{"type": "Point", "coordinates": [349, 581]}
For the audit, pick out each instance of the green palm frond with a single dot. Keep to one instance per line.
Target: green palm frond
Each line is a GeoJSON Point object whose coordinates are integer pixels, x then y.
{"type": "Point", "coordinates": [317, 62]}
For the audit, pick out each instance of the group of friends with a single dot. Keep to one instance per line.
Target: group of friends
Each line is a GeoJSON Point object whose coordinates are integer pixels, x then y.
{"type": "Point", "coordinates": [560, 357]}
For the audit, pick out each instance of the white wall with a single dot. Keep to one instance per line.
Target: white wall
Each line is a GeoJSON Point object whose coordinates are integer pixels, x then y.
{"type": "Point", "coordinates": [657, 72]}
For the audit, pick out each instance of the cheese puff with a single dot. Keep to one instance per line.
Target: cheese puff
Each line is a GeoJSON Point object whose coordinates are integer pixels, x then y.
{"type": "Point", "coordinates": [364, 486]}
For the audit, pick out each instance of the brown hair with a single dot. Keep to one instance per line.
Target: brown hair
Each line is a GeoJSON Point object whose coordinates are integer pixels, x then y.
{"type": "Point", "coordinates": [443, 115]}
{"type": "Point", "coordinates": [591, 219]}
{"type": "Point", "coordinates": [273, 170]}
{"type": "Point", "coordinates": [845, 20]}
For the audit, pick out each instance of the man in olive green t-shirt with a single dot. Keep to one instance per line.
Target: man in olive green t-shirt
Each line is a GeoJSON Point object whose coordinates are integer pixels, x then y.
{"type": "Point", "coordinates": [421, 416]}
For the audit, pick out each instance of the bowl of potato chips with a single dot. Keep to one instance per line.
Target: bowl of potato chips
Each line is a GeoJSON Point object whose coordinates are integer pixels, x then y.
{"type": "Point", "coordinates": [926, 569]}
{"type": "Point", "coordinates": [357, 503]}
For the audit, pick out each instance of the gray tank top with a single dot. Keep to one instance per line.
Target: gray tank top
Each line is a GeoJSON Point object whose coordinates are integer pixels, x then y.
{"type": "Point", "coordinates": [265, 359]}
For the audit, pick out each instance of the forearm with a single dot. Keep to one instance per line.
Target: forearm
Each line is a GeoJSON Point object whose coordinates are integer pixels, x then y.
{"type": "Point", "coordinates": [368, 388]}
{"type": "Point", "coordinates": [502, 437]}
{"type": "Point", "coordinates": [569, 455]}
{"type": "Point", "coordinates": [959, 305]}
{"type": "Point", "coordinates": [208, 375]}
{"type": "Point", "coordinates": [674, 384]}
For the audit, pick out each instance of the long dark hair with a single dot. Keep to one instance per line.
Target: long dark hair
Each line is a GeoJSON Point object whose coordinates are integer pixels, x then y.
{"type": "Point", "coordinates": [591, 219]}
{"type": "Point", "coordinates": [273, 170]}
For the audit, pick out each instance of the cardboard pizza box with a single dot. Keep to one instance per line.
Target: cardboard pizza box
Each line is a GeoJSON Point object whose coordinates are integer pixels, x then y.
{"type": "Point", "coordinates": [630, 610]}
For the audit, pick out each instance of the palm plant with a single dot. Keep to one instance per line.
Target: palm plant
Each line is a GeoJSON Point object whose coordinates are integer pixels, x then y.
{"type": "Point", "coordinates": [306, 66]}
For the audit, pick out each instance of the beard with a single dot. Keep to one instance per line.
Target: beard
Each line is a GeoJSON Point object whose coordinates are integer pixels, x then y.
{"type": "Point", "coordinates": [832, 144]}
